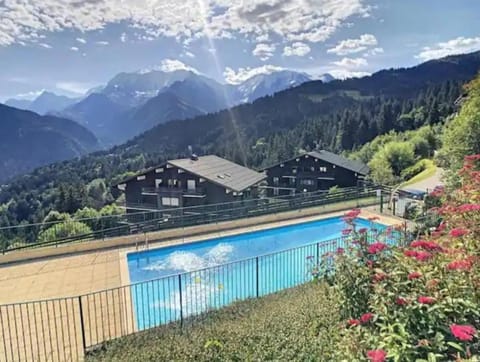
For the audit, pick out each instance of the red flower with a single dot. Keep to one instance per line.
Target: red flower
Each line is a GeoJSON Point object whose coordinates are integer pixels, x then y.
{"type": "Point", "coordinates": [463, 332]}
{"type": "Point", "coordinates": [353, 322]}
{"type": "Point", "coordinates": [410, 253]}
{"type": "Point", "coordinates": [458, 232]}
{"type": "Point", "coordinates": [352, 213]}
{"type": "Point", "coordinates": [346, 231]}
{"type": "Point", "coordinates": [376, 247]}
{"type": "Point", "coordinates": [414, 275]}
{"type": "Point", "coordinates": [377, 355]}
{"type": "Point", "coordinates": [460, 265]}
{"type": "Point", "coordinates": [426, 300]}
{"type": "Point", "coordinates": [362, 230]}
{"type": "Point", "coordinates": [423, 255]}
{"type": "Point", "coordinates": [340, 251]}
{"type": "Point", "coordinates": [365, 318]}
{"type": "Point", "coordinates": [426, 245]}
{"type": "Point", "coordinates": [401, 301]}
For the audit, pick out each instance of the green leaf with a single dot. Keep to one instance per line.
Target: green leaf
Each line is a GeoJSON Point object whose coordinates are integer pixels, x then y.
{"type": "Point", "coordinates": [456, 346]}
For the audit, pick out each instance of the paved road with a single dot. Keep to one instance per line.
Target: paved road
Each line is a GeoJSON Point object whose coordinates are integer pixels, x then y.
{"type": "Point", "coordinates": [428, 183]}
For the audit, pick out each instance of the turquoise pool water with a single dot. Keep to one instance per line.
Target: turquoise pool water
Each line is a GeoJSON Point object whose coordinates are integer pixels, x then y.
{"type": "Point", "coordinates": [183, 280]}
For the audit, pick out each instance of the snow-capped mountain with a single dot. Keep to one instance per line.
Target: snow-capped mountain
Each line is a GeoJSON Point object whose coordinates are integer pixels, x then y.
{"type": "Point", "coordinates": [267, 84]}
{"type": "Point", "coordinates": [138, 101]}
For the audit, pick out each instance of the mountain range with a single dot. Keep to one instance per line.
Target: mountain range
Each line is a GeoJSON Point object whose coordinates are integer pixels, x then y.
{"type": "Point", "coordinates": [29, 140]}
{"type": "Point", "coordinates": [131, 103]}
{"type": "Point", "coordinates": [340, 115]}
{"type": "Point", "coordinates": [46, 102]}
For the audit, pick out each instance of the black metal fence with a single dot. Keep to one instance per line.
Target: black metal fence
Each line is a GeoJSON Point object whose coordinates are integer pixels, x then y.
{"type": "Point", "coordinates": [65, 329]}
{"type": "Point", "coordinates": [61, 233]}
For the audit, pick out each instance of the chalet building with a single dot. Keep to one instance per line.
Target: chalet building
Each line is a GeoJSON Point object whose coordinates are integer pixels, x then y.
{"type": "Point", "coordinates": [190, 182]}
{"type": "Point", "coordinates": [313, 171]}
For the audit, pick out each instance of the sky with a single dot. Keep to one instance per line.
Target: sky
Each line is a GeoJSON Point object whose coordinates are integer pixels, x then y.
{"type": "Point", "coordinates": [70, 46]}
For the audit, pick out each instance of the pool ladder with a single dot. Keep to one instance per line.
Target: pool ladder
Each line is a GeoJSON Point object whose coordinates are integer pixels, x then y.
{"type": "Point", "coordinates": [146, 243]}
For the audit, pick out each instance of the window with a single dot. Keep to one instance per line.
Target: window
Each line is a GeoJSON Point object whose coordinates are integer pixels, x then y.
{"type": "Point", "coordinates": [158, 182]}
{"type": "Point", "coordinates": [294, 170]}
{"type": "Point", "coordinates": [140, 178]}
{"type": "Point", "coordinates": [275, 192]}
{"type": "Point", "coordinates": [276, 180]}
{"type": "Point", "coordinates": [307, 182]}
{"type": "Point", "coordinates": [170, 201]}
{"type": "Point", "coordinates": [191, 185]}
{"type": "Point", "coordinates": [312, 168]}
{"type": "Point", "coordinates": [322, 169]}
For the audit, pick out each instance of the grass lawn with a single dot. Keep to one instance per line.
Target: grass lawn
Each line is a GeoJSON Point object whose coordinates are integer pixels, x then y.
{"type": "Point", "coordinates": [428, 172]}
{"type": "Point", "coordinates": [299, 324]}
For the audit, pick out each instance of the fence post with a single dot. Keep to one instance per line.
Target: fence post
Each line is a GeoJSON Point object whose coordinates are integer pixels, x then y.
{"type": "Point", "coordinates": [181, 298]}
{"type": "Point", "coordinates": [82, 325]}
{"type": "Point", "coordinates": [381, 201]}
{"type": "Point", "coordinates": [258, 282]}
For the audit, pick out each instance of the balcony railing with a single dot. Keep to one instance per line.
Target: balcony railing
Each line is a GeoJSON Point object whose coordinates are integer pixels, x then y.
{"type": "Point", "coordinates": [198, 191]}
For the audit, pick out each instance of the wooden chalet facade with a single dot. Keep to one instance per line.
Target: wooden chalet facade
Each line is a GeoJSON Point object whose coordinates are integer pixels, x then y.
{"type": "Point", "coordinates": [313, 171]}
{"type": "Point", "coordinates": [187, 182]}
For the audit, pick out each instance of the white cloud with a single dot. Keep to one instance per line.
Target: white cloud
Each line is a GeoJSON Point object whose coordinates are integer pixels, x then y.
{"type": "Point", "coordinates": [350, 46]}
{"type": "Point", "coordinates": [81, 40]}
{"type": "Point", "coordinates": [303, 20]}
{"type": "Point", "coordinates": [74, 49]}
{"type": "Point", "coordinates": [189, 54]}
{"type": "Point", "coordinates": [45, 45]}
{"type": "Point", "coordinates": [29, 95]}
{"type": "Point", "coordinates": [455, 46]}
{"type": "Point", "coordinates": [264, 51]}
{"type": "Point", "coordinates": [102, 42]}
{"type": "Point", "coordinates": [235, 77]}
{"type": "Point", "coordinates": [351, 63]}
{"type": "Point", "coordinates": [123, 37]}
{"type": "Point", "coordinates": [372, 52]}
{"type": "Point", "coordinates": [344, 74]}
{"type": "Point", "coordinates": [74, 87]}
{"type": "Point", "coordinates": [170, 65]}
{"type": "Point", "coordinates": [298, 49]}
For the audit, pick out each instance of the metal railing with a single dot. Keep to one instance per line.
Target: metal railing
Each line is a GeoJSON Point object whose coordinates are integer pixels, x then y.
{"type": "Point", "coordinates": [34, 235]}
{"type": "Point", "coordinates": [65, 329]}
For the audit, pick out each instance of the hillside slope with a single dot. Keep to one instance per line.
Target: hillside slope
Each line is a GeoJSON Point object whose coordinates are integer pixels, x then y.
{"type": "Point", "coordinates": [29, 140]}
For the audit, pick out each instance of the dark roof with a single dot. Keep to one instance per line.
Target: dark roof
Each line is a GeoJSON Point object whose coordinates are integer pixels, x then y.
{"type": "Point", "coordinates": [220, 171]}
{"type": "Point", "coordinates": [334, 159]}
{"type": "Point", "coordinates": [215, 169]}
{"type": "Point", "coordinates": [355, 166]}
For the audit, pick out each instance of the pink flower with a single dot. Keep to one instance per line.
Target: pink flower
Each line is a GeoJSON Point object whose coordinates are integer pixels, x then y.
{"type": "Point", "coordinates": [353, 322]}
{"type": "Point", "coordinates": [460, 265]}
{"type": "Point", "coordinates": [401, 301]}
{"type": "Point", "coordinates": [376, 247]}
{"type": "Point", "coordinates": [423, 255]}
{"type": "Point", "coordinates": [458, 232]}
{"type": "Point", "coordinates": [365, 318]}
{"type": "Point", "coordinates": [353, 213]}
{"type": "Point", "coordinates": [463, 332]}
{"type": "Point", "coordinates": [377, 355]}
{"type": "Point", "coordinates": [362, 230]}
{"type": "Point", "coordinates": [426, 245]}
{"type": "Point", "coordinates": [410, 253]}
{"type": "Point", "coordinates": [426, 300]}
{"type": "Point", "coordinates": [414, 275]}
{"type": "Point", "coordinates": [340, 251]}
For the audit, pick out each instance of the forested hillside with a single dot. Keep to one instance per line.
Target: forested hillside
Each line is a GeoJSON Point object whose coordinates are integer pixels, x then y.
{"type": "Point", "coordinates": [339, 115]}
{"type": "Point", "coordinates": [28, 140]}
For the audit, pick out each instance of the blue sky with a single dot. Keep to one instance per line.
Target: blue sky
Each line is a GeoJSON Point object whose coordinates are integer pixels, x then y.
{"type": "Point", "coordinates": [69, 46]}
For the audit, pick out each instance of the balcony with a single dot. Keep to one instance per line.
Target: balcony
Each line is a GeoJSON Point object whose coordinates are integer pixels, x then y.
{"type": "Point", "coordinates": [174, 191]}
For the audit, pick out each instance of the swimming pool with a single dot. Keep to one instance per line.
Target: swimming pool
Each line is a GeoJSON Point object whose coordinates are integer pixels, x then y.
{"type": "Point", "coordinates": [187, 279]}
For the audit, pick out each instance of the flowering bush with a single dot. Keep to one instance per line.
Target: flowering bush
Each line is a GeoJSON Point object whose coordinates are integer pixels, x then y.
{"type": "Point", "coordinates": [419, 301]}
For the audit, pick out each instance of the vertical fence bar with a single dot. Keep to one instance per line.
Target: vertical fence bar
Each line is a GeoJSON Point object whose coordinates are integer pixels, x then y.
{"type": "Point", "coordinates": [257, 276]}
{"type": "Point", "coordinates": [82, 325]}
{"type": "Point", "coordinates": [180, 298]}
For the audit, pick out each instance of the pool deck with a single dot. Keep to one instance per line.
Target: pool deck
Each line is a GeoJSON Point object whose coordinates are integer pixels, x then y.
{"type": "Point", "coordinates": [86, 272]}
